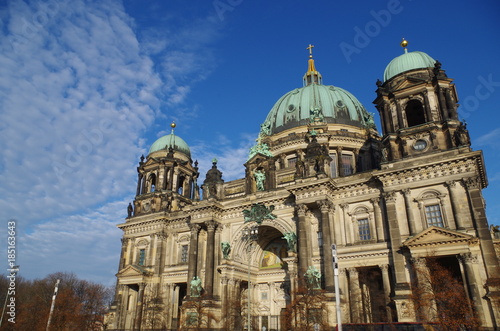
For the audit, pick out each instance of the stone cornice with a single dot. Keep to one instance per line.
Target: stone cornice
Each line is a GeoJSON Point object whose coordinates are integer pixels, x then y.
{"type": "Point", "coordinates": [426, 169]}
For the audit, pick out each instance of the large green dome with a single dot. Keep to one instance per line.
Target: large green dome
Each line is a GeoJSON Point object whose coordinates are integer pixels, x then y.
{"type": "Point", "coordinates": [170, 140]}
{"type": "Point", "coordinates": [408, 61]}
{"type": "Point", "coordinates": [334, 104]}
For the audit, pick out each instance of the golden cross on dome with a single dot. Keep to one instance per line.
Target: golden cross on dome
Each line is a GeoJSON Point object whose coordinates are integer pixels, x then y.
{"type": "Point", "coordinates": [310, 48]}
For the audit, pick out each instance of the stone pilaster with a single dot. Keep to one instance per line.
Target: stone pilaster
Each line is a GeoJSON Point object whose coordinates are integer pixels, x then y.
{"type": "Point", "coordinates": [427, 304]}
{"type": "Point", "coordinates": [209, 262]}
{"type": "Point", "coordinates": [387, 290]}
{"type": "Point", "coordinates": [469, 263]}
{"type": "Point", "coordinates": [326, 208]}
{"type": "Point", "coordinates": [379, 223]}
{"type": "Point", "coordinates": [193, 254]}
{"type": "Point", "coordinates": [409, 211]}
{"type": "Point", "coordinates": [302, 239]}
{"type": "Point", "coordinates": [139, 306]}
{"type": "Point", "coordinates": [355, 296]}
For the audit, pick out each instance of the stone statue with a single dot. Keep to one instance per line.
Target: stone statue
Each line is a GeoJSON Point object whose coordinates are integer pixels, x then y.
{"type": "Point", "coordinates": [316, 115]}
{"type": "Point", "coordinates": [195, 287]}
{"type": "Point", "coordinates": [130, 209]}
{"type": "Point", "coordinates": [226, 249]}
{"type": "Point", "coordinates": [299, 169]}
{"type": "Point", "coordinates": [291, 240]}
{"type": "Point", "coordinates": [313, 278]}
{"type": "Point", "coordinates": [461, 135]}
{"type": "Point", "coordinates": [260, 178]}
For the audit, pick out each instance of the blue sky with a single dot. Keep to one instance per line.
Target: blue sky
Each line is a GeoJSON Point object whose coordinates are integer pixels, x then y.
{"type": "Point", "coordinates": [87, 86]}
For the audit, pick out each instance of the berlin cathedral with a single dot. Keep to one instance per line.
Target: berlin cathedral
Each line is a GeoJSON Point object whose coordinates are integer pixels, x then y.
{"type": "Point", "coordinates": [332, 223]}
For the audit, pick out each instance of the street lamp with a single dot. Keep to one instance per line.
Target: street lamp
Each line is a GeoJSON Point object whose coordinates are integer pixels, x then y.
{"type": "Point", "coordinates": [335, 261]}
{"type": "Point", "coordinates": [249, 235]}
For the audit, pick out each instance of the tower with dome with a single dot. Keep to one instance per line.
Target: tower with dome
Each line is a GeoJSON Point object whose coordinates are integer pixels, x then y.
{"type": "Point", "coordinates": [216, 255]}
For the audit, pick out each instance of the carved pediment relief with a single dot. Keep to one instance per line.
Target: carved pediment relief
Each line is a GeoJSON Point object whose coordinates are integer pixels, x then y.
{"type": "Point", "coordinates": [132, 271]}
{"type": "Point", "coordinates": [439, 236]}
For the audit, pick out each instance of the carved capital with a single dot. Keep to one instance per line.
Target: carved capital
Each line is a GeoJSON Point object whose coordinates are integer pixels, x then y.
{"type": "Point", "coordinates": [211, 225]}
{"type": "Point", "coordinates": [325, 206]}
{"type": "Point", "coordinates": [406, 192]}
{"type": "Point", "coordinates": [419, 262]}
{"type": "Point", "coordinates": [301, 209]}
{"type": "Point", "coordinates": [194, 228]}
{"type": "Point", "coordinates": [473, 183]}
{"type": "Point", "coordinates": [375, 201]}
{"type": "Point", "coordinates": [384, 267]}
{"type": "Point", "coordinates": [451, 183]}
{"type": "Point", "coordinates": [352, 271]}
{"type": "Point", "coordinates": [390, 196]}
{"type": "Point", "coordinates": [468, 258]}
{"type": "Point", "coordinates": [344, 206]}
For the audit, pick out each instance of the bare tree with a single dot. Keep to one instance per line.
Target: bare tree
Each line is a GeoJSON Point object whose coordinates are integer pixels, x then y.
{"type": "Point", "coordinates": [439, 296]}
{"type": "Point", "coordinates": [306, 311]}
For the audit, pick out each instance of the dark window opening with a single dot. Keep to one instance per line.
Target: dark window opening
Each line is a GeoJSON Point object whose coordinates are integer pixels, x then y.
{"type": "Point", "coordinates": [415, 113]}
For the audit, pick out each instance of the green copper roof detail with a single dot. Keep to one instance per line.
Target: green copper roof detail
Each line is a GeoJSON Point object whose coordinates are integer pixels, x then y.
{"type": "Point", "coordinates": [408, 61]}
{"type": "Point", "coordinates": [259, 148]}
{"type": "Point", "coordinates": [170, 140]}
{"type": "Point", "coordinates": [316, 103]}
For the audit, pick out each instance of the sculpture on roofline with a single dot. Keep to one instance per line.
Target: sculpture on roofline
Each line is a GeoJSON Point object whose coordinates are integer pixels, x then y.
{"type": "Point", "coordinates": [195, 287]}
{"type": "Point", "coordinates": [313, 278]}
{"type": "Point", "coordinates": [226, 249]}
{"type": "Point", "coordinates": [291, 240]}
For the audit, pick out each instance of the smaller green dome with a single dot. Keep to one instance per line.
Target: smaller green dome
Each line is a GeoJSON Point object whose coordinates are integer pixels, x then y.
{"type": "Point", "coordinates": [408, 61]}
{"type": "Point", "coordinates": [170, 140]}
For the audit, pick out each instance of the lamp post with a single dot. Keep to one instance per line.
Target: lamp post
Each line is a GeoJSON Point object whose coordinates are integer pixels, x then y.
{"type": "Point", "coordinates": [249, 235]}
{"type": "Point", "coordinates": [337, 291]}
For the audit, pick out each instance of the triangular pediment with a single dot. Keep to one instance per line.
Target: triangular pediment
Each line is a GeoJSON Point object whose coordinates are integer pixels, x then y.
{"type": "Point", "coordinates": [259, 156]}
{"type": "Point", "coordinates": [131, 271]}
{"type": "Point", "coordinates": [410, 81]}
{"type": "Point", "coordinates": [438, 236]}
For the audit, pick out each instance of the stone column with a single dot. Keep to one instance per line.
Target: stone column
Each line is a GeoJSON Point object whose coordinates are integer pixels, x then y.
{"type": "Point", "coordinates": [427, 308]}
{"type": "Point", "coordinates": [139, 184]}
{"type": "Point", "coordinates": [123, 253]}
{"type": "Point", "coordinates": [476, 203]}
{"type": "Point", "coordinates": [347, 235]}
{"type": "Point", "coordinates": [409, 211]}
{"type": "Point", "coordinates": [355, 296]}
{"type": "Point", "coordinates": [402, 287]}
{"type": "Point", "coordinates": [344, 293]}
{"type": "Point", "coordinates": [160, 252]}
{"type": "Point", "coordinates": [138, 311]}
{"type": "Point", "coordinates": [379, 223]}
{"type": "Point", "coordinates": [462, 221]}
{"type": "Point", "coordinates": [291, 262]}
{"type": "Point", "coordinates": [224, 298]}
{"type": "Point", "coordinates": [130, 251]}
{"type": "Point", "coordinates": [469, 263]}
{"type": "Point", "coordinates": [339, 162]}
{"type": "Point", "coordinates": [209, 262]}
{"type": "Point", "coordinates": [302, 239]}
{"type": "Point", "coordinates": [325, 207]}
{"type": "Point", "coordinates": [193, 254]}
{"type": "Point", "coordinates": [387, 290]}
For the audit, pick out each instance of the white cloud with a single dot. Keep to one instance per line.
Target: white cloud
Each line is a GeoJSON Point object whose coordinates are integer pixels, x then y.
{"type": "Point", "coordinates": [489, 139]}
{"type": "Point", "coordinates": [77, 92]}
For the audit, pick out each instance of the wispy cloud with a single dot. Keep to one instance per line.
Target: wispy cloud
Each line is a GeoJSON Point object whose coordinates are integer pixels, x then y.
{"type": "Point", "coordinates": [78, 90]}
{"type": "Point", "coordinates": [489, 139]}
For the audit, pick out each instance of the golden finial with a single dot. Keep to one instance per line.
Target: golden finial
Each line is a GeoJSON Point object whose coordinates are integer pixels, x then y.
{"type": "Point", "coordinates": [403, 44]}
{"type": "Point", "coordinates": [173, 125]}
{"type": "Point", "coordinates": [310, 48]}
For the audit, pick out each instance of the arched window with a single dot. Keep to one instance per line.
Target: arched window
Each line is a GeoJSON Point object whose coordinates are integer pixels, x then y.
{"type": "Point", "coordinates": [431, 206]}
{"type": "Point", "coordinates": [333, 166]}
{"type": "Point", "coordinates": [414, 113]}
{"type": "Point", "coordinates": [152, 182]}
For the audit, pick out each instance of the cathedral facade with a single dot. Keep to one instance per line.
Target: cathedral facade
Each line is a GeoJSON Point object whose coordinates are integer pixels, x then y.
{"type": "Point", "coordinates": [241, 254]}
